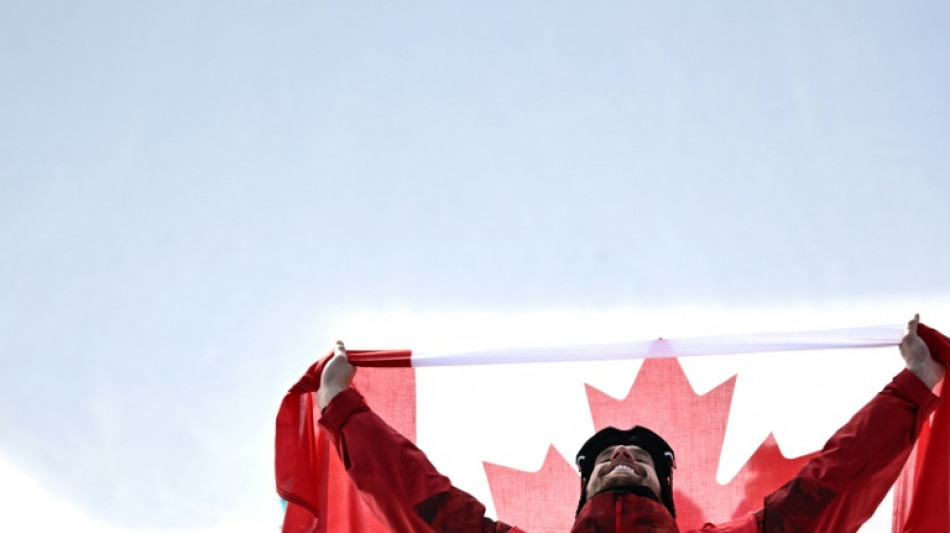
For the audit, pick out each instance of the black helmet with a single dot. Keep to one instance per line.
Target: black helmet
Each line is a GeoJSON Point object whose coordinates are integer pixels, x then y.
{"type": "Point", "coordinates": [659, 450]}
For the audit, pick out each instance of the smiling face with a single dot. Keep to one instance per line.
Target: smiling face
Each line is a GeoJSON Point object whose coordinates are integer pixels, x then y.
{"type": "Point", "coordinates": [623, 466]}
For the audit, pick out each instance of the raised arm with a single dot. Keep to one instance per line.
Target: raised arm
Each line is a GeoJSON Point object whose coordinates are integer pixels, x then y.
{"type": "Point", "coordinates": [401, 485]}
{"type": "Point", "coordinates": [840, 488]}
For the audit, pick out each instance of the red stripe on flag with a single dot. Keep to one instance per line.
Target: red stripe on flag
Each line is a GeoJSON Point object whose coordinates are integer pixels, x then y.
{"type": "Point", "coordinates": [310, 475]}
{"type": "Point", "coordinates": [930, 500]}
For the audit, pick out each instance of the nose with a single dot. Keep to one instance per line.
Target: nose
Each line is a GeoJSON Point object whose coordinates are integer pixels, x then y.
{"type": "Point", "coordinates": [623, 455]}
{"type": "Point", "coordinates": [621, 452]}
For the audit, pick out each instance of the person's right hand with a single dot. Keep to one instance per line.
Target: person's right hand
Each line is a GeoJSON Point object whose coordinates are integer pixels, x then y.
{"type": "Point", "coordinates": [917, 356]}
{"type": "Point", "coordinates": [337, 376]}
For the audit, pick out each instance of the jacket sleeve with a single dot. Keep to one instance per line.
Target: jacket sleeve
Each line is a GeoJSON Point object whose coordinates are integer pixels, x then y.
{"type": "Point", "coordinates": [402, 487]}
{"type": "Point", "coordinates": [839, 489]}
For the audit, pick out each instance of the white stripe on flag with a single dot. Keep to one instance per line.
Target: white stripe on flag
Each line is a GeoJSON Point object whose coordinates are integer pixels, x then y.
{"type": "Point", "coordinates": [831, 339]}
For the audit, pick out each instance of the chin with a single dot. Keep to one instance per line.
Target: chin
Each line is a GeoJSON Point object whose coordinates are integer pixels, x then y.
{"type": "Point", "coordinates": [621, 481]}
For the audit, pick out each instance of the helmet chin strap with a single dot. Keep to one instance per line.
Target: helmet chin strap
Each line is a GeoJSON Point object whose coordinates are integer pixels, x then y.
{"type": "Point", "coordinates": [637, 490]}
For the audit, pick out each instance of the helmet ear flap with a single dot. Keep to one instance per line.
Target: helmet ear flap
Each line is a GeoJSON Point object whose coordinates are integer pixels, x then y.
{"type": "Point", "coordinates": [667, 495]}
{"type": "Point", "coordinates": [583, 499]}
{"type": "Point", "coordinates": [666, 482]}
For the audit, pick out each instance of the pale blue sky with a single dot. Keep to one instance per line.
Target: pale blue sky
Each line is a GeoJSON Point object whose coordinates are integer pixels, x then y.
{"type": "Point", "coordinates": [190, 191]}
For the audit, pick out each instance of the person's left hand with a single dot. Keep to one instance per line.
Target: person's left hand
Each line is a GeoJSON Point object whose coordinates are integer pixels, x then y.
{"type": "Point", "coordinates": [337, 376]}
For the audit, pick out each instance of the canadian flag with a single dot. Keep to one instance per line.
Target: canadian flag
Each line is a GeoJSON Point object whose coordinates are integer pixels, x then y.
{"type": "Point", "coordinates": [504, 424]}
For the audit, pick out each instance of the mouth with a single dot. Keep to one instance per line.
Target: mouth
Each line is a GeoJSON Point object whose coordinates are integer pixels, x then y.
{"type": "Point", "coordinates": [623, 469]}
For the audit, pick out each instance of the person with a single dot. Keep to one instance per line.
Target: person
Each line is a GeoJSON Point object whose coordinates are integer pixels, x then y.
{"type": "Point", "coordinates": [626, 474]}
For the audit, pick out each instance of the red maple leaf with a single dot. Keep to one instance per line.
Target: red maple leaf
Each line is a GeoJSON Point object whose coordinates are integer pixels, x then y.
{"type": "Point", "coordinates": [536, 501]}
{"type": "Point", "coordinates": [694, 425]}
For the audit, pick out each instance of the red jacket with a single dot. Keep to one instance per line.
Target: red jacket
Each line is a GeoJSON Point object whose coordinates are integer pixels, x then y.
{"type": "Point", "coordinates": [835, 492]}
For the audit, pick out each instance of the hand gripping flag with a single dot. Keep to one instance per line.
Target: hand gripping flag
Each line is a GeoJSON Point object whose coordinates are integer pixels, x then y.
{"type": "Point", "coordinates": [320, 498]}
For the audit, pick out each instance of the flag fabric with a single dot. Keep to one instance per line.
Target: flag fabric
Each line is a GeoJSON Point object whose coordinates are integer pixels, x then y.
{"type": "Point", "coordinates": [310, 476]}
{"type": "Point", "coordinates": [926, 503]}
{"type": "Point", "coordinates": [313, 481]}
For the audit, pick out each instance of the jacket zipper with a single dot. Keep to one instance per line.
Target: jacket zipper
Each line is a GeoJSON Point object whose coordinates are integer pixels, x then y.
{"type": "Point", "coordinates": [618, 512]}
